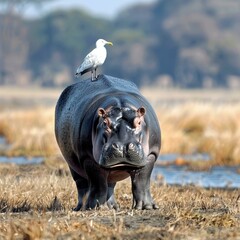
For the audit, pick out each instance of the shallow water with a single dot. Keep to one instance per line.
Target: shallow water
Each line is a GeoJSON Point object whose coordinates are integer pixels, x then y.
{"type": "Point", "coordinates": [217, 177]}
{"type": "Point", "coordinates": [21, 160]}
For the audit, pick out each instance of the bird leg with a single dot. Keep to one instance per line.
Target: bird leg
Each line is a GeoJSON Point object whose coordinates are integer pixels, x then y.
{"type": "Point", "coordinates": [92, 75]}
{"type": "Point", "coordinates": [94, 78]}
{"type": "Point", "coordinates": [95, 70]}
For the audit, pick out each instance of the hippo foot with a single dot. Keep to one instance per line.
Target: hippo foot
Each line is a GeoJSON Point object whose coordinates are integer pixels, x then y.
{"type": "Point", "coordinates": [142, 200]}
{"type": "Point", "coordinates": [111, 203]}
{"type": "Point", "coordinates": [95, 204]}
{"type": "Point", "coordinates": [77, 208]}
{"type": "Point", "coordinates": [87, 206]}
{"type": "Point", "coordinates": [95, 199]}
{"type": "Point", "coordinates": [92, 204]}
{"type": "Point", "coordinates": [141, 205]}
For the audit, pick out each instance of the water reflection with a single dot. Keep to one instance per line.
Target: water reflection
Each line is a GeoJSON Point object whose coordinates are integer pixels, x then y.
{"type": "Point", "coordinates": [217, 177]}
{"type": "Point", "coordinates": [21, 160]}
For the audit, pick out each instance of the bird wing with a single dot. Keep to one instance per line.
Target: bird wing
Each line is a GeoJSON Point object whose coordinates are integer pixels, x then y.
{"type": "Point", "coordinates": [89, 61]}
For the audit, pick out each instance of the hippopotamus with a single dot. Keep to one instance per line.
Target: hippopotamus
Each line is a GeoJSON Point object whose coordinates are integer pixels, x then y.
{"type": "Point", "coordinates": [107, 131]}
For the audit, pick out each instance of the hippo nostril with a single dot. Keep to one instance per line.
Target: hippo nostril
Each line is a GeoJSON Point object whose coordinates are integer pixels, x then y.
{"type": "Point", "coordinates": [115, 145]}
{"type": "Point", "coordinates": [117, 150]}
{"type": "Point", "coordinates": [131, 146]}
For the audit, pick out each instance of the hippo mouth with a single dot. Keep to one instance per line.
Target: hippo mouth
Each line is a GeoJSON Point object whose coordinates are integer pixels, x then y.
{"type": "Point", "coordinates": [120, 156]}
{"type": "Point", "coordinates": [120, 163]}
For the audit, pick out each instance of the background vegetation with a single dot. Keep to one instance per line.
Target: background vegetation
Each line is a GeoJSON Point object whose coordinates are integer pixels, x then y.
{"type": "Point", "coordinates": [169, 43]}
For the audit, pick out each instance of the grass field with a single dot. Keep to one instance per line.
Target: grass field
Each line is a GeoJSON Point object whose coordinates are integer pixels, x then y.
{"type": "Point", "coordinates": [36, 201]}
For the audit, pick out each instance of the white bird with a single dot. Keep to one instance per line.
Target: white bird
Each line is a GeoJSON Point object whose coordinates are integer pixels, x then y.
{"type": "Point", "coordinates": [94, 59]}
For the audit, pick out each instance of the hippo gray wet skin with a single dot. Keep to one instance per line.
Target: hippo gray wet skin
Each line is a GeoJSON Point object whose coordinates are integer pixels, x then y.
{"type": "Point", "coordinates": [107, 131]}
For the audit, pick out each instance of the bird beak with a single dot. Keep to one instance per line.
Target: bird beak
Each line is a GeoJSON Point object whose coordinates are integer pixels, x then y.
{"type": "Point", "coordinates": [110, 43]}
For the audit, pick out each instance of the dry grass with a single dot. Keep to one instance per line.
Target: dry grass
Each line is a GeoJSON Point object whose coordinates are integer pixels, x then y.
{"type": "Point", "coordinates": [30, 132]}
{"type": "Point", "coordinates": [202, 127]}
{"type": "Point", "coordinates": [36, 203]}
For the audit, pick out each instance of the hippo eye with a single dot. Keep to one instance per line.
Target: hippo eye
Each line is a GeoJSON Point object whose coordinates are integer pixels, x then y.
{"type": "Point", "coordinates": [107, 125]}
{"type": "Point", "coordinates": [107, 122]}
{"type": "Point", "coordinates": [136, 122]}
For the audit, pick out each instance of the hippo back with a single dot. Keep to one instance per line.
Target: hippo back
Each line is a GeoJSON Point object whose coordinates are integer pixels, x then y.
{"type": "Point", "coordinates": [86, 92]}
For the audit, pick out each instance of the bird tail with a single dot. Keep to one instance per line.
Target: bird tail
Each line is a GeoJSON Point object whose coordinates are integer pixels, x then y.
{"type": "Point", "coordinates": [86, 70]}
{"type": "Point", "coordinates": [77, 74]}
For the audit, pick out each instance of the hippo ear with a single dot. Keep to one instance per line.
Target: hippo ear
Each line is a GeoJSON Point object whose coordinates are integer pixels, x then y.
{"type": "Point", "coordinates": [141, 111]}
{"type": "Point", "coordinates": [102, 113]}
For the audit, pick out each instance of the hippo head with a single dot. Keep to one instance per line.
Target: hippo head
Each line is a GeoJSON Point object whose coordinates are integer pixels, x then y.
{"type": "Point", "coordinates": [121, 137]}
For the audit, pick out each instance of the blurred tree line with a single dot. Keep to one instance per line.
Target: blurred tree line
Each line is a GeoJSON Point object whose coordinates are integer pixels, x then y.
{"type": "Point", "coordinates": [183, 43]}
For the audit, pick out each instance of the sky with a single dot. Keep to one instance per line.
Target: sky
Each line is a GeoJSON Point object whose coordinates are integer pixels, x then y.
{"type": "Point", "coordinates": [103, 8]}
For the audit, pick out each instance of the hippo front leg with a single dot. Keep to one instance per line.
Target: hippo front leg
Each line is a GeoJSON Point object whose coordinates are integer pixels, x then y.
{"type": "Point", "coordinates": [111, 202]}
{"type": "Point", "coordinates": [82, 188]}
{"type": "Point", "coordinates": [98, 186]}
{"type": "Point", "coordinates": [142, 198]}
